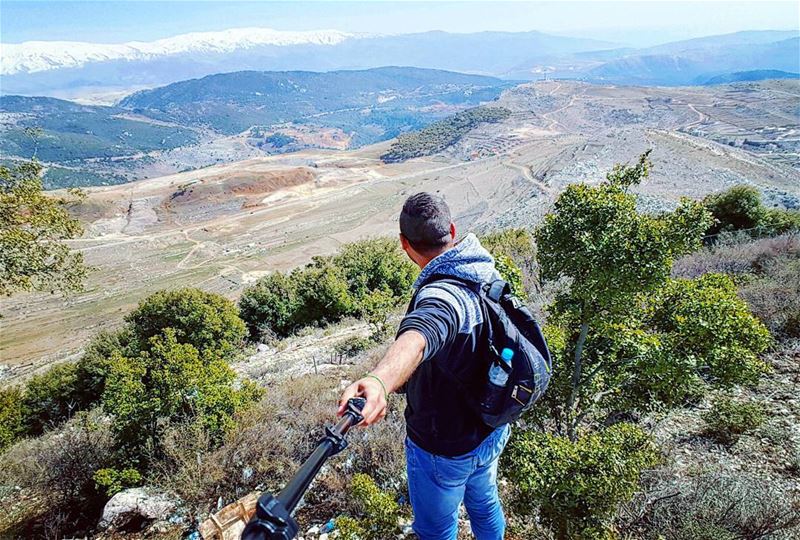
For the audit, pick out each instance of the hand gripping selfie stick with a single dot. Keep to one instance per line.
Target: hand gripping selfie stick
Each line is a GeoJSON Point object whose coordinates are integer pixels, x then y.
{"type": "Point", "coordinates": [273, 518]}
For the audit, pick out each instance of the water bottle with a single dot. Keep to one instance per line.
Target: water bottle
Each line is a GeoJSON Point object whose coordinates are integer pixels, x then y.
{"type": "Point", "coordinates": [498, 378]}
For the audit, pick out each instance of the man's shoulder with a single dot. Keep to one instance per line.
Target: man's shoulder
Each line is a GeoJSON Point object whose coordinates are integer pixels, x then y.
{"type": "Point", "coordinates": [459, 297]}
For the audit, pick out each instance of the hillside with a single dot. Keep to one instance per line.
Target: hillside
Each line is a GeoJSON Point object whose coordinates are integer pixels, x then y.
{"type": "Point", "coordinates": [233, 102]}
{"type": "Point", "coordinates": [229, 117]}
{"type": "Point", "coordinates": [750, 76]}
{"type": "Point", "coordinates": [69, 134]}
{"type": "Point", "coordinates": [221, 227]}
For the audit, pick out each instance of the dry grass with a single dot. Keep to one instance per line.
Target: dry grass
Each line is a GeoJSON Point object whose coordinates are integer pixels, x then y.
{"type": "Point", "coordinates": [274, 437]}
{"type": "Point", "coordinates": [768, 274]}
{"type": "Point", "coordinates": [56, 469]}
{"type": "Point", "coordinates": [745, 257]}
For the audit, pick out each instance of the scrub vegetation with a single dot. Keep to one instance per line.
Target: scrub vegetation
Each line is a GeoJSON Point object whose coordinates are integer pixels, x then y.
{"type": "Point", "coordinates": [672, 411]}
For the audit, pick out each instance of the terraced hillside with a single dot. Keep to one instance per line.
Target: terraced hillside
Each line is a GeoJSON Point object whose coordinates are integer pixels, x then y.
{"type": "Point", "coordinates": [221, 227]}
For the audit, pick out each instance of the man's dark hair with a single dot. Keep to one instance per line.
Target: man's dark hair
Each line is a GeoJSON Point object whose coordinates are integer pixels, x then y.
{"type": "Point", "coordinates": [425, 221]}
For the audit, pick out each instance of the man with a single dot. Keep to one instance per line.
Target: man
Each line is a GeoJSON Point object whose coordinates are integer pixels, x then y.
{"type": "Point", "coordinates": [451, 455]}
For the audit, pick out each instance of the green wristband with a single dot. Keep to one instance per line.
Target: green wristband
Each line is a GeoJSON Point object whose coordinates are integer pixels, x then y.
{"type": "Point", "coordinates": [385, 393]}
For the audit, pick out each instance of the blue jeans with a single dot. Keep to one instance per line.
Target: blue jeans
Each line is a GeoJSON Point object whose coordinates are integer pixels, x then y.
{"type": "Point", "coordinates": [438, 484]}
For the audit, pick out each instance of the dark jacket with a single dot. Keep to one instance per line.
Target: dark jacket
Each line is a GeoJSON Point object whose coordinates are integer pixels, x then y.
{"type": "Point", "coordinates": [449, 316]}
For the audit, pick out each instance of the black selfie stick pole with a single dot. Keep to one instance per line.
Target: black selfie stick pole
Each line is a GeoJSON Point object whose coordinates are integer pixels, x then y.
{"type": "Point", "coordinates": [273, 518]}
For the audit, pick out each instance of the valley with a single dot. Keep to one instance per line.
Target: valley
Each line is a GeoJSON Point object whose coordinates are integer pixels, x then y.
{"type": "Point", "coordinates": [223, 226]}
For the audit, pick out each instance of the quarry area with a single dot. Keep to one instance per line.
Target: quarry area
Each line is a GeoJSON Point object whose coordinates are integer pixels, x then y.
{"type": "Point", "coordinates": [222, 227]}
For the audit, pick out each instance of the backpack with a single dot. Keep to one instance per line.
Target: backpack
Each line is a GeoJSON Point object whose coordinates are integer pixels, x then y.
{"type": "Point", "coordinates": [510, 325]}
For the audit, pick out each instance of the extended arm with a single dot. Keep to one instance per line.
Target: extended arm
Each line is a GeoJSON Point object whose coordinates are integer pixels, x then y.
{"type": "Point", "coordinates": [429, 327]}
{"type": "Point", "coordinates": [393, 370]}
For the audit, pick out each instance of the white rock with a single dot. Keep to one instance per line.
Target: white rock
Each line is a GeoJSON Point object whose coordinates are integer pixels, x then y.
{"type": "Point", "coordinates": [323, 536]}
{"type": "Point", "coordinates": [136, 503]}
{"type": "Point", "coordinates": [313, 530]}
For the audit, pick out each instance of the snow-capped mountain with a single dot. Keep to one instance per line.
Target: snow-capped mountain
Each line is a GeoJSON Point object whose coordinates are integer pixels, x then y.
{"type": "Point", "coordinates": [36, 56]}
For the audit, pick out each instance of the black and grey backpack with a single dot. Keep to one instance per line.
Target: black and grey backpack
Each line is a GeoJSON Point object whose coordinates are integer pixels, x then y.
{"type": "Point", "coordinates": [510, 325]}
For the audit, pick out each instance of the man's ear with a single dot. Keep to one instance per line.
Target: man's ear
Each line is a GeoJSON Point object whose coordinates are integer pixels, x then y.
{"type": "Point", "coordinates": [453, 231]}
{"type": "Point", "coordinates": [404, 243]}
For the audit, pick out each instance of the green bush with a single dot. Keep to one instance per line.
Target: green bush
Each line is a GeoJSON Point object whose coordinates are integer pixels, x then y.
{"type": "Point", "coordinates": [727, 418]}
{"type": "Point", "coordinates": [379, 512]}
{"type": "Point", "coordinates": [322, 294]}
{"type": "Point", "coordinates": [375, 264]}
{"type": "Point", "coordinates": [705, 321]}
{"type": "Point", "coordinates": [737, 208]}
{"type": "Point", "coordinates": [11, 414]}
{"type": "Point", "coordinates": [51, 398]}
{"type": "Point", "coordinates": [205, 320]}
{"type": "Point", "coordinates": [93, 367]}
{"type": "Point", "coordinates": [511, 273]}
{"type": "Point", "coordinates": [269, 307]}
{"type": "Point", "coordinates": [366, 278]}
{"type": "Point", "coordinates": [575, 487]}
{"type": "Point", "coordinates": [352, 345]}
{"type": "Point", "coordinates": [740, 208]}
{"type": "Point", "coordinates": [112, 481]}
{"type": "Point", "coordinates": [169, 382]}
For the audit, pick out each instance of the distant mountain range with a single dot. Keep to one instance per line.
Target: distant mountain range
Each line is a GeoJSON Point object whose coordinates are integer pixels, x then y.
{"type": "Point", "coordinates": [75, 68]}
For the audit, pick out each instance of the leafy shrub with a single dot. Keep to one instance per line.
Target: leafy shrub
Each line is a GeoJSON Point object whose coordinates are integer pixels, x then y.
{"type": "Point", "coordinates": [511, 273]}
{"type": "Point", "coordinates": [576, 486]}
{"type": "Point", "coordinates": [112, 481]}
{"type": "Point", "coordinates": [375, 264]}
{"type": "Point", "coordinates": [270, 306]}
{"type": "Point", "coordinates": [366, 278]}
{"type": "Point", "coordinates": [737, 208]}
{"type": "Point", "coordinates": [740, 209]}
{"type": "Point", "coordinates": [205, 320]}
{"type": "Point", "coordinates": [352, 345]}
{"type": "Point", "coordinates": [50, 398]}
{"type": "Point", "coordinates": [727, 419]}
{"type": "Point", "coordinates": [322, 294]}
{"type": "Point", "coordinates": [379, 512]}
{"type": "Point", "coordinates": [376, 307]}
{"type": "Point", "coordinates": [516, 244]}
{"type": "Point", "coordinates": [169, 382]}
{"type": "Point", "coordinates": [11, 414]}
{"type": "Point", "coordinates": [92, 368]}
{"type": "Point", "coordinates": [780, 221]}
{"type": "Point", "coordinates": [705, 321]}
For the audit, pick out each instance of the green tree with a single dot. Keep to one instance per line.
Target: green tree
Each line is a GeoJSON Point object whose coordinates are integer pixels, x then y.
{"type": "Point", "coordinates": [322, 293]}
{"type": "Point", "coordinates": [373, 264]}
{"type": "Point", "coordinates": [269, 307]}
{"type": "Point", "coordinates": [169, 382]}
{"type": "Point", "coordinates": [576, 486]}
{"type": "Point", "coordinates": [33, 227]}
{"type": "Point", "coordinates": [205, 320]}
{"type": "Point", "coordinates": [612, 255]}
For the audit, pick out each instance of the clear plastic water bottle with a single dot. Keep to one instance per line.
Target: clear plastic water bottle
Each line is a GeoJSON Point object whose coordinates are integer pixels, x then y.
{"type": "Point", "coordinates": [498, 378]}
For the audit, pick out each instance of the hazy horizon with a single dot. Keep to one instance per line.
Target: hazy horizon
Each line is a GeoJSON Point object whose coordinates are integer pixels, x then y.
{"type": "Point", "coordinates": [625, 23]}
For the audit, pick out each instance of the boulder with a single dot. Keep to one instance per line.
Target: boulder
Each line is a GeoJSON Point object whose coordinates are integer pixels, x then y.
{"type": "Point", "coordinates": [136, 508]}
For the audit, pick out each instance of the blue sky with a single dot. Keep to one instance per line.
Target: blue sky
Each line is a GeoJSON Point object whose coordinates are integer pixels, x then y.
{"type": "Point", "coordinates": [635, 23]}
